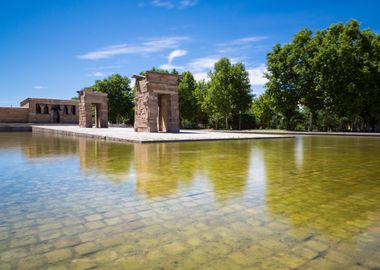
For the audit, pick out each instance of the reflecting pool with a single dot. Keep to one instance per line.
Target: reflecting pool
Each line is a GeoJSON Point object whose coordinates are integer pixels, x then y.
{"type": "Point", "coordinates": [302, 203]}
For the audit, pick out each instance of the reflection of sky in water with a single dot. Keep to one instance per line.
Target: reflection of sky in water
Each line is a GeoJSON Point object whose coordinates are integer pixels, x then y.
{"type": "Point", "coordinates": [317, 195]}
{"type": "Point", "coordinates": [257, 171]}
{"type": "Point", "coordinates": [298, 151]}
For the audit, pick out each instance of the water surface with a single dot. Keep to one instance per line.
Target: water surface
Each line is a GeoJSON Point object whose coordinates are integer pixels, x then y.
{"type": "Point", "coordinates": [303, 203]}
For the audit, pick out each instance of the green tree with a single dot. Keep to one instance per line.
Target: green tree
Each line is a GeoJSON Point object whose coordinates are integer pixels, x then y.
{"type": "Point", "coordinates": [282, 84]}
{"type": "Point", "coordinates": [263, 110]}
{"type": "Point", "coordinates": [120, 98]}
{"type": "Point", "coordinates": [188, 105]}
{"type": "Point", "coordinates": [333, 74]}
{"type": "Point", "coordinates": [200, 94]}
{"type": "Point", "coordinates": [228, 92]}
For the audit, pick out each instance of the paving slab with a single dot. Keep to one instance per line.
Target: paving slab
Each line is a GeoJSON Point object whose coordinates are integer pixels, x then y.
{"type": "Point", "coordinates": [129, 135]}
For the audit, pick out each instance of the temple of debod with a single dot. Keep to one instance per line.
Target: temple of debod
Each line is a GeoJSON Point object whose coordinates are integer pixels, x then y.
{"type": "Point", "coordinates": [156, 115]}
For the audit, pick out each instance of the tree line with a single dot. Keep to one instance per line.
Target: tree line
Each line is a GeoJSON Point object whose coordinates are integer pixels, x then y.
{"type": "Point", "coordinates": [327, 80]}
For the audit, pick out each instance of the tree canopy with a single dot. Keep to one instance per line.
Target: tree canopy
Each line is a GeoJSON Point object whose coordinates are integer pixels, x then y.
{"type": "Point", "coordinates": [120, 98]}
{"type": "Point", "coordinates": [334, 71]}
{"type": "Point", "coordinates": [229, 91]}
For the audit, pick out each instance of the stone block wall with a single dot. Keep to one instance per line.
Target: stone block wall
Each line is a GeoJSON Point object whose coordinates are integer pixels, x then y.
{"type": "Point", "coordinates": [13, 115]}
{"type": "Point", "coordinates": [156, 102]}
{"type": "Point", "coordinates": [88, 98]}
{"type": "Point", "coordinates": [51, 110]}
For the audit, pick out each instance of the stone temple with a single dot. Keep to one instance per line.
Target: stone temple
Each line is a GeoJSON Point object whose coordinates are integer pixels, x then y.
{"type": "Point", "coordinates": [156, 106]}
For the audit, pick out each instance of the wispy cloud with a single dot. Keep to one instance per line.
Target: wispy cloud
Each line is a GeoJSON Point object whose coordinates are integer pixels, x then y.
{"type": "Point", "coordinates": [199, 76]}
{"type": "Point", "coordinates": [243, 41]}
{"type": "Point", "coordinates": [39, 87]}
{"type": "Point", "coordinates": [170, 4]}
{"type": "Point", "coordinates": [200, 67]}
{"type": "Point", "coordinates": [256, 75]}
{"type": "Point", "coordinates": [171, 67]}
{"type": "Point", "coordinates": [206, 63]}
{"type": "Point", "coordinates": [150, 46]}
{"type": "Point", "coordinates": [238, 45]}
{"type": "Point", "coordinates": [175, 54]}
{"type": "Point", "coordinates": [99, 74]}
{"type": "Point", "coordinates": [202, 64]}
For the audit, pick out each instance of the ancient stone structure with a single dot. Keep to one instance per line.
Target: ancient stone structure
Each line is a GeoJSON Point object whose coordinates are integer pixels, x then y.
{"type": "Point", "coordinates": [93, 109]}
{"type": "Point", "coordinates": [156, 102]}
{"type": "Point", "coordinates": [39, 110]}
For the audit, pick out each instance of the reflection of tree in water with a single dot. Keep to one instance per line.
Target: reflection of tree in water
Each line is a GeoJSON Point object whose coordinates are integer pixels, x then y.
{"type": "Point", "coordinates": [44, 146]}
{"type": "Point", "coordinates": [111, 159]}
{"type": "Point", "coordinates": [162, 168]}
{"type": "Point", "coordinates": [226, 165]}
{"type": "Point", "coordinates": [335, 187]}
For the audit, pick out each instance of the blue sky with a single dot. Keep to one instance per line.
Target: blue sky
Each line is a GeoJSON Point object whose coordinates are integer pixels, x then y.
{"type": "Point", "coordinates": [55, 48]}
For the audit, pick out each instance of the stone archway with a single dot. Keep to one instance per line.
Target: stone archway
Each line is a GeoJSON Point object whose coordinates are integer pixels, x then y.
{"type": "Point", "coordinates": [156, 102]}
{"type": "Point", "coordinates": [91, 102]}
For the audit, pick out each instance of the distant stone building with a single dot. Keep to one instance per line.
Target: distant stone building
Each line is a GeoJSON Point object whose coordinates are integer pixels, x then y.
{"type": "Point", "coordinates": [156, 106]}
{"type": "Point", "coordinates": [39, 110]}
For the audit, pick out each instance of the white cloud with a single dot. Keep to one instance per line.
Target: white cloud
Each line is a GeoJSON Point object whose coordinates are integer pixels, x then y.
{"type": "Point", "coordinates": [207, 63]}
{"type": "Point", "coordinates": [39, 87]}
{"type": "Point", "coordinates": [199, 76]}
{"type": "Point", "coordinates": [180, 4]}
{"type": "Point", "coordinates": [243, 41]}
{"type": "Point", "coordinates": [170, 67]}
{"type": "Point", "coordinates": [187, 3]}
{"type": "Point", "coordinates": [150, 46]}
{"type": "Point", "coordinates": [204, 63]}
{"type": "Point", "coordinates": [256, 75]}
{"type": "Point", "coordinates": [175, 54]}
{"type": "Point", "coordinates": [98, 74]}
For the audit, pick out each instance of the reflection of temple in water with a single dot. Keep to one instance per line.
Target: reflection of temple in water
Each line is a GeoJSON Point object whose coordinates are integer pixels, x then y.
{"type": "Point", "coordinates": [158, 169]}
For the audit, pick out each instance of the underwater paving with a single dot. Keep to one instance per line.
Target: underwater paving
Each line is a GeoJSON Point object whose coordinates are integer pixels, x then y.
{"type": "Point", "coordinates": [76, 203]}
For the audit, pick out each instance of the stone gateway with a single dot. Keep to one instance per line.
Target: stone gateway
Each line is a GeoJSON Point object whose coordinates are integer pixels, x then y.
{"type": "Point", "coordinates": [93, 109]}
{"type": "Point", "coordinates": [156, 106]}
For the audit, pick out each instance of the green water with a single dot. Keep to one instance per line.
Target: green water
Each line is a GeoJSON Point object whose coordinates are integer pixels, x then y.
{"type": "Point", "coordinates": [303, 203]}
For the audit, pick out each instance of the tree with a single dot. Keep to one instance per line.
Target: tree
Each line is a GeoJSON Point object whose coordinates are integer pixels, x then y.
{"type": "Point", "coordinates": [229, 91]}
{"type": "Point", "coordinates": [200, 94]}
{"type": "Point", "coordinates": [282, 83]}
{"type": "Point", "coordinates": [333, 74]}
{"type": "Point", "coordinates": [263, 110]}
{"type": "Point", "coordinates": [120, 98]}
{"type": "Point", "coordinates": [188, 106]}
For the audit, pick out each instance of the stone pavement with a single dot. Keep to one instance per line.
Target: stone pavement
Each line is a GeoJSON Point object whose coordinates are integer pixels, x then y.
{"type": "Point", "coordinates": [128, 135]}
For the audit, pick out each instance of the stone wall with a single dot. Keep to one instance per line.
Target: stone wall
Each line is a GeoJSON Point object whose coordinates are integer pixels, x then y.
{"type": "Point", "coordinates": [13, 115]}
{"type": "Point", "coordinates": [51, 110]}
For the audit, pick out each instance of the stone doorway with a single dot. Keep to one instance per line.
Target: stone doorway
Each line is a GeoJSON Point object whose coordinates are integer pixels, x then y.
{"type": "Point", "coordinates": [156, 102]}
{"type": "Point", "coordinates": [56, 116]}
{"type": "Point", "coordinates": [163, 114]}
{"type": "Point", "coordinates": [95, 115]}
{"type": "Point", "coordinates": [93, 109]}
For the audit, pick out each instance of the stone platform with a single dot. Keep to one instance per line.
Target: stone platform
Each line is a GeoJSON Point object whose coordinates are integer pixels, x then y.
{"type": "Point", "coordinates": [15, 127]}
{"type": "Point", "coordinates": [128, 134]}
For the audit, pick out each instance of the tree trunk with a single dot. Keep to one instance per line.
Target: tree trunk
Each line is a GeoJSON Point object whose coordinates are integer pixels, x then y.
{"type": "Point", "coordinates": [226, 122]}
{"type": "Point", "coordinates": [310, 128]}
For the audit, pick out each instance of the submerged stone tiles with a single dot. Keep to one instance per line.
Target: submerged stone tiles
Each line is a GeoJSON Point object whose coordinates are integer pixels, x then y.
{"type": "Point", "coordinates": [138, 213]}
